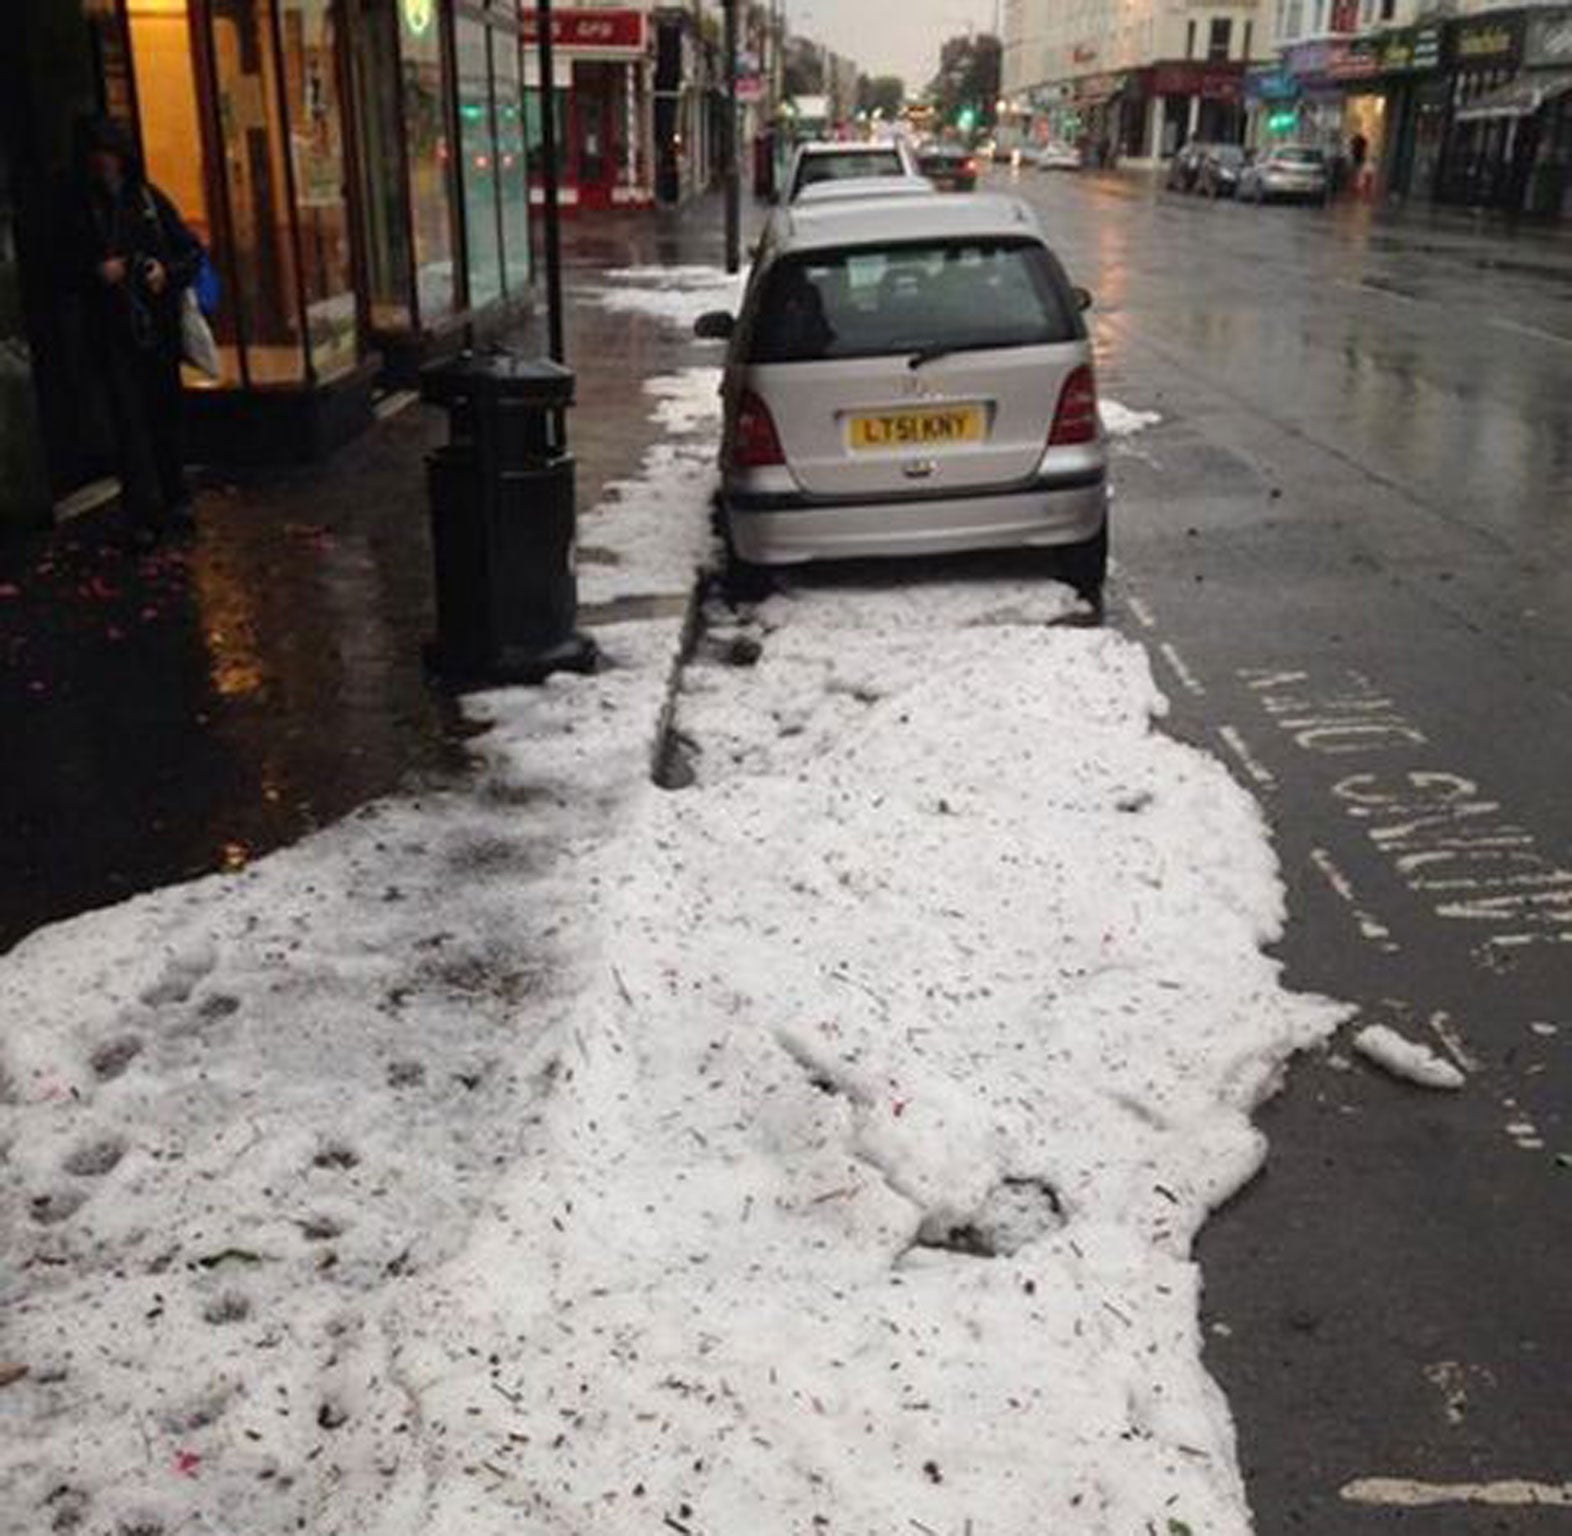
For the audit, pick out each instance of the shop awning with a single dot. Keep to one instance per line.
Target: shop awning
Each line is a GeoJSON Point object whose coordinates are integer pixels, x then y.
{"type": "Point", "coordinates": [1523, 97]}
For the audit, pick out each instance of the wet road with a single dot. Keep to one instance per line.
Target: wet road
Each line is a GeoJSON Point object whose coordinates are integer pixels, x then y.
{"type": "Point", "coordinates": [1350, 547]}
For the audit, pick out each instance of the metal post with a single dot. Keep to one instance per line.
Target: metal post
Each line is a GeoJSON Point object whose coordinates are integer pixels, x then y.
{"type": "Point", "coordinates": [552, 207]}
{"type": "Point", "coordinates": [733, 170]}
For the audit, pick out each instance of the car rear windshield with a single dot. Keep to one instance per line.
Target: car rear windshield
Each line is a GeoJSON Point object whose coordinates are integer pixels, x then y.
{"type": "Point", "coordinates": [1299, 156]}
{"type": "Point", "coordinates": [843, 167]}
{"type": "Point", "coordinates": [960, 295]}
{"type": "Point", "coordinates": [1228, 154]}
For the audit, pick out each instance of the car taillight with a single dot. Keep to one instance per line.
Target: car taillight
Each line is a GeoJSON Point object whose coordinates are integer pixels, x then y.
{"type": "Point", "coordinates": [970, 167]}
{"type": "Point", "coordinates": [756, 444]}
{"type": "Point", "coordinates": [1075, 421]}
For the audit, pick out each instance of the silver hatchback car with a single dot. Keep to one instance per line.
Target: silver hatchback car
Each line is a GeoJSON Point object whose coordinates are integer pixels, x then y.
{"type": "Point", "coordinates": [911, 376]}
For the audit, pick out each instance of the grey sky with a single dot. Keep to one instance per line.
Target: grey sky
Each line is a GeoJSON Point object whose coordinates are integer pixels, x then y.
{"type": "Point", "coordinates": [900, 37]}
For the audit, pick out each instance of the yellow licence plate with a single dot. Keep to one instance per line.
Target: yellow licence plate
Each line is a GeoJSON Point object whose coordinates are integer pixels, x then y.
{"type": "Point", "coordinates": [934, 426]}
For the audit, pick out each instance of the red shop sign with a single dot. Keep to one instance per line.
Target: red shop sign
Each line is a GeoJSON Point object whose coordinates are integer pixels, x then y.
{"type": "Point", "coordinates": [1216, 82]}
{"type": "Point", "coordinates": [588, 31]}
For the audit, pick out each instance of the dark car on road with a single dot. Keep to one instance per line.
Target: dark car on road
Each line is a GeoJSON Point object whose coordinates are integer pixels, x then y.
{"type": "Point", "coordinates": [1186, 166]}
{"type": "Point", "coordinates": [1220, 170]}
{"type": "Point", "coordinates": [949, 167]}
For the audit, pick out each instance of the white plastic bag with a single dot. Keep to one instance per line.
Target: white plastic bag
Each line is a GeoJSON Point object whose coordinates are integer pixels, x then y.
{"type": "Point", "coordinates": [197, 346]}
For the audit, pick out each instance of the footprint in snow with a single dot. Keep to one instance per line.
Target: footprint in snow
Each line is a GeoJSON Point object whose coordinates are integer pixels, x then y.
{"type": "Point", "coordinates": [56, 1205]}
{"type": "Point", "coordinates": [93, 1159]}
{"type": "Point", "coordinates": [111, 1058]}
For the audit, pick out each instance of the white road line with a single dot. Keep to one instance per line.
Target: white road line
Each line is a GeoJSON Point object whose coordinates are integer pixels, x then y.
{"type": "Point", "coordinates": [1192, 684]}
{"type": "Point", "coordinates": [1532, 330]}
{"type": "Point", "coordinates": [1251, 763]}
{"type": "Point", "coordinates": [1415, 1495]}
{"type": "Point", "coordinates": [1144, 614]}
{"type": "Point", "coordinates": [1369, 927]}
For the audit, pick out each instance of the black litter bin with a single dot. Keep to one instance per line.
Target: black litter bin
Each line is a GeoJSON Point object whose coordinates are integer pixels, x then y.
{"type": "Point", "coordinates": [503, 521]}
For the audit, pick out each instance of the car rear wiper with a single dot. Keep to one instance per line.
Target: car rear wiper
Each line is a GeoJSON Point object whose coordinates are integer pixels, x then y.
{"type": "Point", "coordinates": [931, 354]}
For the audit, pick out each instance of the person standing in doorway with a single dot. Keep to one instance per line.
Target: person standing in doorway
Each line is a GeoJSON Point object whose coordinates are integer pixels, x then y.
{"type": "Point", "coordinates": [1358, 153]}
{"type": "Point", "coordinates": [131, 257]}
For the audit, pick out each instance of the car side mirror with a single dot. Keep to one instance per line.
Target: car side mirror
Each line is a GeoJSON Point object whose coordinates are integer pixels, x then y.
{"type": "Point", "coordinates": [717, 325]}
{"type": "Point", "coordinates": [1083, 298]}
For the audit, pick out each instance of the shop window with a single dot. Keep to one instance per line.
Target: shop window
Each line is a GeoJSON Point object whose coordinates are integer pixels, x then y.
{"type": "Point", "coordinates": [1189, 39]}
{"type": "Point", "coordinates": [171, 133]}
{"type": "Point", "coordinates": [112, 63]}
{"type": "Point", "coordinates": [1247, 50]}
{"type": "Point", "coordinates": [430, 164]}
{"type": "Point", "coordinates": [1221, 38]}
{"type": "Point", "coordinates": [512, 171]}
{"type": "Point", "coordinates": [477, 160]}
{"type": "Point", "coordinates": [384, 210]}
{"type": "Point", "coordinates": [537, 153]}
{"type": "Point", "coordinates": [256, 177]}
{"type": "Point", "coordinates": [317, 147]}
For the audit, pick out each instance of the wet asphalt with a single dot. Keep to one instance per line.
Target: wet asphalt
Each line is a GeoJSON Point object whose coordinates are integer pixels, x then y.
{"type": "Point", "coordinates": [1349, 546]}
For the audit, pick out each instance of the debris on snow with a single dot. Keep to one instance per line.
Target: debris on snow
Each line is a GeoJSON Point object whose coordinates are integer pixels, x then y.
{"type": "Point", "coordinates": [1407, 1059]}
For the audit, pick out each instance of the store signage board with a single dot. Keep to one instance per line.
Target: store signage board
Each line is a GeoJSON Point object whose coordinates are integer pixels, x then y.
{"type": "Point", "coordinates": [1487, 44]}
{"type": "Point", "coordinates": [1356, 60]}
{"type": "Point", "coordinates": [1549, 42]}
{"type": "Point", "coordinates": [1214, 82]}
{"type": "Point", "coordinates": [1408, 50]}
{"type": "Point", "coordinates": [617, 33]}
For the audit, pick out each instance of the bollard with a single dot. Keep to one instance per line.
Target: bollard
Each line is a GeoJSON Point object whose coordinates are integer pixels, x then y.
{"type": "Point", "coordinates": [503, 522]}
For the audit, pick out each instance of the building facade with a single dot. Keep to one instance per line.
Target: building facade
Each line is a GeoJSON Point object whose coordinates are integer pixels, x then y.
{"type": "Point", "coordinates": [358, 170]}
{"type": "Point", "coordinates": [1135, 78]}
{"type": "Point", "coordinates": [1470, 109]}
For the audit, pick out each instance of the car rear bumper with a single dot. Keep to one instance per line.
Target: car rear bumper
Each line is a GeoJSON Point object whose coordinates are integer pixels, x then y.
{"type": "Point", "coordinates": [785, 530]}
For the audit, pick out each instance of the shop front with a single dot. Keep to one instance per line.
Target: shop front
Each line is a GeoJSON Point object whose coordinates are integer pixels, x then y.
{"type": "Point", "coordinates": [604, 108]}
{"type": "Point", "coordinates": [1481, 162]}
{"type": "Point", "coordinates": [1528, 119]}
{"type": "Point", "coordinates": [440, 174]}
{"type": "Point", "coordinates": [1414, 111]}
{"type": "Point", "coordinates": [355, 169]}
{"type": "Point", "coordinates": [1271, 107]}
{"type": "Point", "coordinates": [1189, 99]}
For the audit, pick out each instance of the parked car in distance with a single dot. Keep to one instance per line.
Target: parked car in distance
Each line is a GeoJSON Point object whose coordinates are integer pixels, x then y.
{"type": "Point", "coordinates": [1185, 166]}
{"type": "Point", "coordinates": [1058, 157]}
{"type": "Point", "coordinates": [820, 162]}
{"type": "Point", "coordinates": [1220, 170]}
{"type": "Point", "coordinates": [910, 376]}
{"type": "Point", "coordinates": [1295, 172]}
{"type": "Point", "coordinates": [949, 167]}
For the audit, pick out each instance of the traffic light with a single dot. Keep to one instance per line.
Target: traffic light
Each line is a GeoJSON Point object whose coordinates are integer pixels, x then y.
{"type": "Point", "coordinates": [966, 119]}
{"type": "Point", "coordinates": [1283, 122]}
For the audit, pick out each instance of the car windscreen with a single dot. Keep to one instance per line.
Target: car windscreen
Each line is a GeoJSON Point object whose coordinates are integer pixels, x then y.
{"type": "Point", "coordinates": [832, 167]}
{"type": "Point", "coordinates": [1298, 156]}
{"type": "Point", "coordinates": [1228, 154]}
{"type": "Point", "coordinates": [944, 295]}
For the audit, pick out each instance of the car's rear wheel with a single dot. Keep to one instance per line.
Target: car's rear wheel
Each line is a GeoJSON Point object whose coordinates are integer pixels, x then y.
{"type": "Point", "coordinates": [1085, 566]}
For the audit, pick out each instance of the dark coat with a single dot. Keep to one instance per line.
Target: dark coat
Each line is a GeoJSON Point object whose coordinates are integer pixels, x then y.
{"type": "Point", "coordinates": [137, 223]}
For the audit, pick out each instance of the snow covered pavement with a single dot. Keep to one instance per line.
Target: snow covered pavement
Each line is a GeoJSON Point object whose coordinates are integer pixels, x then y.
{"type": "Point", "coordinates": [818, 1148]}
